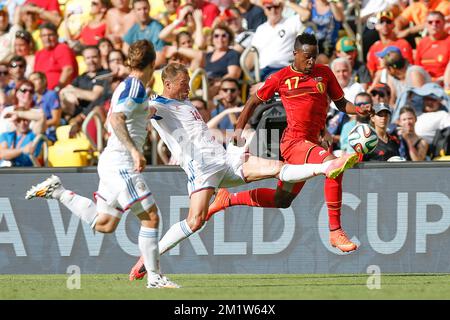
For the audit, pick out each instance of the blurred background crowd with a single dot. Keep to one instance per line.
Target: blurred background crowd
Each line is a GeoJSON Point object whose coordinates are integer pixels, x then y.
{"type": "Point", "coordinates": [60, 62]}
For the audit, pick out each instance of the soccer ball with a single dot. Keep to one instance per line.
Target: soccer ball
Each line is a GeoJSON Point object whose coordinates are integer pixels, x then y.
{"type": "Point", "coordinates": [363, 138]}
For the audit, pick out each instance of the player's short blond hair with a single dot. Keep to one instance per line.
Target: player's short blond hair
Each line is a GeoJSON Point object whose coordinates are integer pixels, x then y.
{"type": "Point", "coordinates": [172, 70]}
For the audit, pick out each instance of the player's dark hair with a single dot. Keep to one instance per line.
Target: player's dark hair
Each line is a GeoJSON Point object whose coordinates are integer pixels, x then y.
{"type": "Point", "coordinates": [140, 55]}
{"type": "Point", "coordinates": [172, 70]}
{"type": "Point", "coordinates": [305, 38]}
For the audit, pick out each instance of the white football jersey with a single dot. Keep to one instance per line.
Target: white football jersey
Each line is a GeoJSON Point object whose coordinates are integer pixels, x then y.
{"type": "Point", "coordinates": [130, 98]}
{"type": "Point", "coordinates": [187, 136]}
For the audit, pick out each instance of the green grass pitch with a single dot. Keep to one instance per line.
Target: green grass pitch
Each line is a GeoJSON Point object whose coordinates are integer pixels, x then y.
{"type": "Point", "coordinates": [229, 287]}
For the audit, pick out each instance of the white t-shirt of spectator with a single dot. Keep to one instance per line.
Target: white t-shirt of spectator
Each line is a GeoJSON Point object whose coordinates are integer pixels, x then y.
{"type": "Point", "coordinates": [350, 92]}
{"type": "Point", "coordinates": [276, 43]}
{"type": "Point", "coordinates": [7, 43]}
{"type": "Point", "coordinates": [428, 122]}
{"type": "Point", "coordinates": [244, 39]}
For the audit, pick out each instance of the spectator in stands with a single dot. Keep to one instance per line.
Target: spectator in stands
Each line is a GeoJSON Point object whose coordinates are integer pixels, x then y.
{"type": "Point", "coordinates": [7, 36]}
{"type": "Point", "coordinates": [95, 29]}
{"type": "Point", "coordinates": [342, 69]}
{"type": "Point", "coordinates": [116, 64]}
{"type": "Point", "coordinates": [402, 75]}
{"type": "Point", "coordinates": [381, 93]}
{"type": "Point", "coordinates": [202, 107]}
{"type": "Point", "coordinates": [17, 146]}
{"type": "Point", "coordinates": [361, 99]}
{"type": "Point", "coordinates": [433, 51]}
{"type": "Point", "coordinates": [222, 62]}
{"type": "Point", "coordinates": [274, 39]}
{"type": "Point", "coordinates": [22, 107]}
{"type": "Point", "coordinates": [24, 47]}
{"type": "Point", "coordinates": [434, 117]}
{"type": "Point", "coordinates": [243, 38]}
{"type": "Point", "coordinates": [412, 20]}
{"type": "Point", "coordinates": [145, 28]}
{"type": "Point", "coordinates": [193, 20]}
{"type": "Point", "coordinates": [119, 20]}
{"type": "Point", "coordinates": [184, 52]}
{"type": "Point", "coordinates": [105, 46]}
{"type": "Point", "coordinates": [48, 101]}
{"type": "Point", "coordinates": [412, 146]}
{"type": "Point", "coordinates": [388, 145]}
{"type": "Point", "coordinates": [47, 10]}
{"type": "Point", "coordinates": [31, 22]}
{"type": "Point", "coordinates": [16, 69]}
{"type": "Point", "coordinates": [228, 98]}
{"type": "Point", "coordinates": [385, 29]}
{"type": "Point", "coordinates": [253, 15]}
{"type": "Point", "coordinates": [169, 12]}
{"type": "Point", "coordinates": [209, 11]}
{"type": "Point", "coordinates": [86, 93]}
{"type": "Point", "coordinates": [327, 16]}
{"type": "Point", "coordinates": [346, 48]}
{"type": "Point", "coordinates": [55, 59]}
{"type": "Point", "coordinates": [4, 79]}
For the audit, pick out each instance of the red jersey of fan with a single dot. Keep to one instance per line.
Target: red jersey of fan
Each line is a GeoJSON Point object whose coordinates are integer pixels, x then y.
{"type": "Point", "coordinates": [433, 55]}
{"type": "Point", "coordinates": [305, 99]}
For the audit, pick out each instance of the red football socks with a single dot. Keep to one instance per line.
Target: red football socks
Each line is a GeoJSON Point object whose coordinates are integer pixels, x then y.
{"type": "Point", "coordinates": [262, 197]}
{"type": "Point", "coordinates": [333, 198]}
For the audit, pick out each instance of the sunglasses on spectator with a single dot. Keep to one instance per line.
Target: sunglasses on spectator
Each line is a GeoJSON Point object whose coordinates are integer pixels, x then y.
{"type": "Point", "coordinates": [25, 90]}
{"type": "Point", "coordinates": [386, 21]}
{"type": "Point", "coordinates": [23, 35]}
{"type": "Point", "coordinates": [359, 104]}
{"type": "Point", "coordinates": [221, 35]}
{"type": "Point", "coordinates": [377, 93]}
{"type": "Point", "coordinates": [16, 65]}
{"type": "Point", "coordinates": [434, 22]}
{"type": "Point", "coordinates": [272, 7]}
{"type": "Point", "coordinates": [93, 3]}
{"type": "Point", "coordinates": [232, 90]}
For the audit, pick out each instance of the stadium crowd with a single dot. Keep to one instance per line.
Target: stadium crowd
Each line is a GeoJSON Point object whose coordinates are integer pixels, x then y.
{"type": "Point", "coordinates": [60, 62]}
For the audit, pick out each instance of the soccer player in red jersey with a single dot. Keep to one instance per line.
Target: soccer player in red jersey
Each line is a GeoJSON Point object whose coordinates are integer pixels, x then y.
{"type": "Point", "coordinates": [304, 88]}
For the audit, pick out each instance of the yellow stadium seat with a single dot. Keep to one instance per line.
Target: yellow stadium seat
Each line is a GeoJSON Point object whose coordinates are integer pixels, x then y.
{"type": "Point", "coordinates": [70, 152]}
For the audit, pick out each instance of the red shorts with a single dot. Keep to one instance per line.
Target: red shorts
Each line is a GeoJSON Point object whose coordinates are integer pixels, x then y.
{"type": "Point", "coordinates": [300, 152]}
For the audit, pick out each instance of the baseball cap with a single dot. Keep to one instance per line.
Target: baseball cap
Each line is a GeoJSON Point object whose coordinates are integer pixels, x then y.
{"type": "Point", "coordinates": [269, 1]}
{"type": "Point", "coordinates": [386, 50]}
{"type": "Point", "coordinates": [380, 107]}
{"type": "Point", "coordinates": [383, 88]}
{"type": "Point", "coordinates": [385, 14]}
{"type": "Point", "coordinates": [346, 44]}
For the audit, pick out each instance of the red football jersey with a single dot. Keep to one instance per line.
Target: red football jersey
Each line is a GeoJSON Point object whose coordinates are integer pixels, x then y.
{"type": "Point", "coordinates": [304, 97]}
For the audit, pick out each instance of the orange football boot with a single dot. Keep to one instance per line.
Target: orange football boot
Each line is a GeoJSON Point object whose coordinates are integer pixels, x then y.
{"type": "Point", "coordinates": [221, 201]}
{"type": "Point", "coordinates": [339, 239]}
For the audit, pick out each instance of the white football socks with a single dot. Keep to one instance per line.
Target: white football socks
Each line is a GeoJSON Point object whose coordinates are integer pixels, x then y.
{"type": "Point", "coordinates": [300, 172]}
{"type": "Point", "coordinates": [148, 245]}
{"type": "Point", "coordinates": [177, 233]}
{"type": "Point", "coordinates": [82, 207]}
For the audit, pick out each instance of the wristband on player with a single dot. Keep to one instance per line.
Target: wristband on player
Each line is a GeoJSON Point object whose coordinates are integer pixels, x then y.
{"type": "Point", "coordinates": [360, 111]}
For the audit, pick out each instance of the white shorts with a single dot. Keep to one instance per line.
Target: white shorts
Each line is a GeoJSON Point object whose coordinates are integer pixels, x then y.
{"type": "Point", "coordinates": [121, 189]}
{"type": "Point", "coordinates": [225, 175]}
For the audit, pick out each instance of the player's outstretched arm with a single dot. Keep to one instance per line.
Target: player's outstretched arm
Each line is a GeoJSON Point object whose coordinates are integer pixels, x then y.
{"type": "Point", "coordinates": [246, 113]}
{"type": "Point", "coordinates": [118, 124]}
{"type": "Point", "coordinates": [346, 106]}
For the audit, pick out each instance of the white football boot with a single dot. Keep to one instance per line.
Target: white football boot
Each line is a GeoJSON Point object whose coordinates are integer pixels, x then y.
{"type": "Point", "coordinates": [44, 189]}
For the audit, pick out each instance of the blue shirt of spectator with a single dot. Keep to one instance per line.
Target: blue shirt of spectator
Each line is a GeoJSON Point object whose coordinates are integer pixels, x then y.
{"type": "Point", "coordinates": [18, 141]}
{"type": "Point", "coordinates": [49, 102]}
{"type": "Point", "coordinates": [150, 33]}
{"type": "Point", "coordinates": [219, 68]}
{"type": "Point", "coordinates": [226, 123]}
